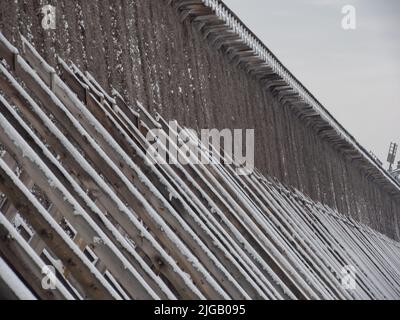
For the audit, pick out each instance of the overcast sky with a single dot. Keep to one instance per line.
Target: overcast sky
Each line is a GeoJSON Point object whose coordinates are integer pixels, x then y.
{"type": "Point", "coordinates": [355, 74]}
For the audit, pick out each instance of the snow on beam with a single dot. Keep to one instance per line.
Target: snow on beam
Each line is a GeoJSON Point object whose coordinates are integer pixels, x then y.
{"type": "Point", "coordinates": [190, 291]}
{"type": "Point", "coordinates": [73, 211]}
{"type": "Point", "coordinates": [162, 184]}
{"type": "Point", "coordinates": [11, 287]}
{"type": "Point", "coordinates": [237, 194]}
{"type": "Point", "coordinates": [131, 194]}
{"type": "Point", "coordinates": [152, 195]}
{"type": "Point", "coordinates": [234, 189]}
{"type": "Point", "coordinates": [28, 263]}
{"type": "Point", "coordinates": [53, 235]}
{"type": "Point", "coordinates": [7, 51]}
{"type": "Point", "coordinates": [315, 239]}
{"type": "Point", "coordinates": [122, 243]}
{"type": "Point", "coordinates": [243, 216]}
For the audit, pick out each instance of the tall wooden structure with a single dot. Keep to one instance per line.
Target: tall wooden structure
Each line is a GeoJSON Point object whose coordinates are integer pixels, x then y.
{"type": "Point", "coordinates": [80, 197]}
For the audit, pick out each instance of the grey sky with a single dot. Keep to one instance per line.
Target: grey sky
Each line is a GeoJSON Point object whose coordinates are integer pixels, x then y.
{"type": "Point", "coordinates": [355, 74]}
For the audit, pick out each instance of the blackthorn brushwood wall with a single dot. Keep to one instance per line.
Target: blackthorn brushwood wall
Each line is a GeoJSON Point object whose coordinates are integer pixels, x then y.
{"type": "Point", "coordinates": [142, 47]}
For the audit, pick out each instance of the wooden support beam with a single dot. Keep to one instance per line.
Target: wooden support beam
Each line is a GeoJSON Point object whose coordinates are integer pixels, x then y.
{"type": "Point", "coordinates": [52, 234]}
{"type": "Point", "coordinates": [26, 261]}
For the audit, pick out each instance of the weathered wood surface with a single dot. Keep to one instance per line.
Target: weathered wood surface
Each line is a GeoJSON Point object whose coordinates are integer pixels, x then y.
{"type": "Point", "coordinates": [144, 50]}
{"type": "Point", "coordinates": [114, 224]}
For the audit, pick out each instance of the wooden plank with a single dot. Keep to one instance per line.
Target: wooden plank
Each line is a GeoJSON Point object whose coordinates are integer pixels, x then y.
{"type": "Point", "coordinates": [87, 228]}
{"type": "Point", "coordinates": [26, 262]}
{"type": "Point", "coordinates": [159, 203]}
{"type": "Point", "coordinates": [75, 167]}
{"type": "Point", "coordinates": [154, 176]}
{"type": "Point", "coordinates": [33, 213]}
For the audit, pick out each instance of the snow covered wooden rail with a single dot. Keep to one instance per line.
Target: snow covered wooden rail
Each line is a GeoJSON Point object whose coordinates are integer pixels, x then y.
{"type": "Point", "coordinates": [143, 50]}
{"type": "Point", "coordinates": [81, 194]}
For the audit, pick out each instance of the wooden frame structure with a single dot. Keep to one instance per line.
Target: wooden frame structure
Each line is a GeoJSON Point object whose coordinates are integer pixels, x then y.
{"type": "Point", "coordinates": [81, 195]}
{"type": "Point", "coordinates": [226, 32]}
